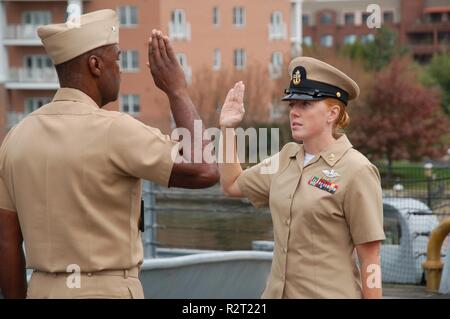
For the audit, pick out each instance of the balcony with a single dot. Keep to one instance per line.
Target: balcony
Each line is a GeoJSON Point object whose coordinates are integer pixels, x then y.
{"type": "Point", "coordinates": [277, 31]}
{"type": "Point", "coordinates": [21, 34]}
{"type": "Point", "coordinates": [32, 79]}
{"type": "Point", "coordinates": [180, 31]}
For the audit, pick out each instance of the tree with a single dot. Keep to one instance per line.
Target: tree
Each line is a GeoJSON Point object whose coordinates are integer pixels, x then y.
{"type": "Point", "coordinates": [378, 53]}
{"type": "Point", "coordinates": [400, 119]}
{"type": "Point", "coordinates": [439, 71]}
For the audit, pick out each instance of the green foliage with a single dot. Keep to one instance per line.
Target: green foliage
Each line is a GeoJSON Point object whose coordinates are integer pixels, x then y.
{"type": "Point", "coordinates": [438, 71]}
{"type": "Point", "coordinates": [378, 53]}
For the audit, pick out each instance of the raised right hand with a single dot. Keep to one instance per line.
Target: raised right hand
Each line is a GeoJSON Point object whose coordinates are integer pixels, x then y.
{"type": "Point", "coordinates": [164, 66]}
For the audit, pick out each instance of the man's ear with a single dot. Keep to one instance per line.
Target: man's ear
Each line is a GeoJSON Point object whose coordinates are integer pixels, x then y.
{"type": "Point", "coordinates": [95, 64]}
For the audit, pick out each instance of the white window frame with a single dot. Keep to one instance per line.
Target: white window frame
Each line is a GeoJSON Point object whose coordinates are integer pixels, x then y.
{"type": "Point", "coordinates": [127, 11]}
{"type": "Point", "coordinates": [38, 61]}
{"type": "Point", "coordinates": [239, 17]}
{"type": "Point", "coordinates": [324, 42]}
{"type": "Point", "coordinates": [276, 65]}
{"type": "Point", "coordinates": [217, 59]}
{"type": "Point", "coordinates": [216, 16]}
{"type": "Point", "coordinates": [37, 17]}
{"type": "Point", "coordinates": [179, 28]}
{"type": "Point", "coordinates": [240, 59]}
{"type": "Point", "coordinates": [127, 57]}
{"type": "Point", "coordinates": [31, 104]}
{"type": "Point", "coordinates": [277, 27]}
{"type": "Point", "coordinates": [134, 104]}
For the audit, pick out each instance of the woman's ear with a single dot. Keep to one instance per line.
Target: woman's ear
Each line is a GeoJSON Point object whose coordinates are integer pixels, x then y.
{"type": "Point", "coordinates": [333, 114]}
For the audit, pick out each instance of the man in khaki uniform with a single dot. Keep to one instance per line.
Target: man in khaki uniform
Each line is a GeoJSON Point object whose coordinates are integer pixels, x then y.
{"type": "Point", "coordinates": [70, 172]}
{"type": "Point", "coordinates": [325, 197]}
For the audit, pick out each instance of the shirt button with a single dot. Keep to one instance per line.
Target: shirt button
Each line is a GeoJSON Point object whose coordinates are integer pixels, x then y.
{"type": "Point", "coordinates": [89, 274]}
{"type": "Point", "coordinates": [288, 221]}
{"type": "Point", "coordinates": [284, 250]}
{"type": "Point", "coordinates": [290, 196]}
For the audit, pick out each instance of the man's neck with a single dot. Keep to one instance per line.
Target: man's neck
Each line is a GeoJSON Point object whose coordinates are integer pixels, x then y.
{"type": "Point", "coordinates": [93, 94]}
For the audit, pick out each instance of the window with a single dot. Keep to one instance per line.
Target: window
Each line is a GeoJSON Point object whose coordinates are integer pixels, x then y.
{"type": "Point", "coordinates": [326, 18]}
{"type": "Point", "coordinates": [37, 68]}
{"type": "Point", "coordinates": [388, 17]}
{"type": "Point", "coordinates": [277, 29]}
{"type": "Point", "coordinates": [182, 58]}
{"type": "Point", "coordinates": [367, 38]}
{"type": "Point", "coordinates": [276, 65]}
{"type": "Point", "coordinates": [276, 18]}
{"type": "Point", "coordinates": [305, 19]}
{"type": "Point", "coordinates": [365, 17]}
{"type": "Point", "coordinates": [130, 104]}
{"type": "Point", "coordinates": [307, 40]}
{"type": "Point", "coordinates": [32, 104]}
{"type": "Point", "coordinates": [217, 59]}
{"type": "Point", "coordinates": [128, 16]}
{"type": "Point", "coordinates": [216, 16]}
{"type": "Point", "coordinates": [130, 60]}
{"type": "Point", "coordinates": [349, 18]}
{"type": "Point", "coordinates": [238, 16]}
{"type": "Point", "coordinates": [239, 59]}
{"type": "Point", "coordinates": [277, 59]}
{"type": "Point", "coordinates": [36, 17]}
{"type": "Point", "coordinates": [326, 41]}
{"type": "Point", "coordinates": [178, 27]}
{"type": "Point", "coordinates": [350, 39]}
{"type": "Point", "coordinates": [37, 62]}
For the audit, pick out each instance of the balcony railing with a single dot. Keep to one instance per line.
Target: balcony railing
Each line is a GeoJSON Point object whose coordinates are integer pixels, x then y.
{"type": "Point", "coordinates": [277, 31]}
{"type": "Point", "coordinates": [179, 31]}
{"type": "Point", "coordinates": [27, 75]}
{"type": "Point", "coordinates": [24, 34]}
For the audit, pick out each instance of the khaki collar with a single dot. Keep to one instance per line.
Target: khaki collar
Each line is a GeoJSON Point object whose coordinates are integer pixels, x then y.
{"type": "Point", "coordinates": [69, 94]}
{"type": "Point", "coordinates": [331, 155]}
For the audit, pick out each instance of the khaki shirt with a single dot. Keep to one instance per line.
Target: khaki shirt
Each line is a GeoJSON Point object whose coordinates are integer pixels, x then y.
{"type": "Point", "coordinates": [317, 219]}
{"type": "Point", "coordinates": [72, 173]}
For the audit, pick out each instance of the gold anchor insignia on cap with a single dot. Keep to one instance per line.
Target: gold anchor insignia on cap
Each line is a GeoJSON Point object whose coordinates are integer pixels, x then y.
{"type": "Point", "coordinates": [296, 78]}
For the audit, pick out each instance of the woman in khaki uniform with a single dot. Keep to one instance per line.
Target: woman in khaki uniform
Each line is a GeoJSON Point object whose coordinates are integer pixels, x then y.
{"type": "Point", "coordinates": [324, 196]}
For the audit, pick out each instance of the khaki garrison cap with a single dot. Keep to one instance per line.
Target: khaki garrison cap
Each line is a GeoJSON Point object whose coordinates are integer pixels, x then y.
{"type": "Point", "coordinates": [66, 41]}
{"type": "Point", "coordinates": [312, 79]}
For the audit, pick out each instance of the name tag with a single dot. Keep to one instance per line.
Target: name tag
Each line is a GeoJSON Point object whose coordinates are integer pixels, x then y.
{"type": "Point", "coordinates": [323, 184]}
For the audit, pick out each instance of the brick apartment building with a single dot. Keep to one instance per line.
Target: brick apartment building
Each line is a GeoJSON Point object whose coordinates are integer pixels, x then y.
{"type": "Point", "coordinates": [207, 35]}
